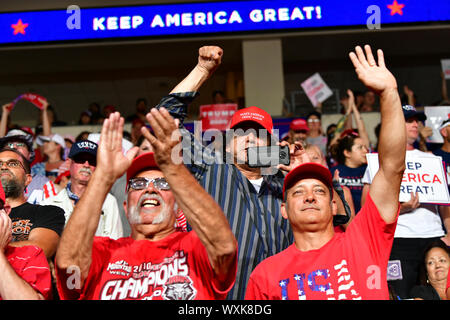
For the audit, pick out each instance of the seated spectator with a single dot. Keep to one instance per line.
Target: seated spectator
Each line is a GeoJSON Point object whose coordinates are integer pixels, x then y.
{"type": "Point", "coordinates": [141, 110]}
{"type": "Point", "coordinates": [83, 135]}
{"type": "Point", "coordinates": [136, 126]}
{"type": "Point", "coordinates": [53, 148]}
{"type": "Point", "coordinates": [83, 156]}
{"type": "Point", "coordinates": [107, 110]}
{"type": "Point", "coordinates": [368, 104]}
{"type": "Point", "coordinates": [85, 118]}
{"type": "Point", "coordinates": [219, 97]}
{"type": "Point", "coordinates": [205, 259]}
{"type": "Point", "coordinates": [25, 274]}
{"type": "Point", "coordinates": [316, 135]}
{"type": "Point", "coordinates": [433, 273]}
{"type": "Point", "coordinates": [32, 224]}
{"type": "Point", "coordinates": [52, 117]}
{"type": "Point", "coordinates": [321, 264]}
{"type": "Point", "coordinates": [298, 131]}
{"type": "Point", "coordinates": [96, 116]}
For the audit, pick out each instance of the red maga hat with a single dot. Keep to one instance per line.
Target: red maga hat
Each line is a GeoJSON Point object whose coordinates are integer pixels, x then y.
{"type": "Point", "coordinates": [309, 170]}
{"type": "Point", "coordinates": [299, 125]}
{"type": "Point", "coordinates": [253, 114]}
{"type": "Point", "coordinates": [140, 163]}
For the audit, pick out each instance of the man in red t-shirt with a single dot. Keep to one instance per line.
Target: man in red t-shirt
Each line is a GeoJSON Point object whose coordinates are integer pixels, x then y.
{"type": "Point", "coordinates": [156, 261]}
{"type": "Point", "coordinates": [25, 273]}
{"type": "Point", "coordinates": [321, 264]}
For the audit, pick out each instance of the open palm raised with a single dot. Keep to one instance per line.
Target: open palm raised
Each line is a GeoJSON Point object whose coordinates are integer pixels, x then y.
{"type": "Point", "coordinates": [375, 77]}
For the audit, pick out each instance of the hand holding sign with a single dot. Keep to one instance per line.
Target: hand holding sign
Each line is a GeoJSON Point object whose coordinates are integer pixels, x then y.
{"type": "Point", "coordinates": [39, 101]}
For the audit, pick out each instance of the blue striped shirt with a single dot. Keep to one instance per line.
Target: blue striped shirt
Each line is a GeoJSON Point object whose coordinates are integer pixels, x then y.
{"type": "Point", "coordinates": [255, 217]}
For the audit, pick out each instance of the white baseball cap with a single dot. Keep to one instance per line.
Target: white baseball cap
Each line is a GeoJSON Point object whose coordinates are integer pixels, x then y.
{"type": "Point", "coordinates": [54, 137]}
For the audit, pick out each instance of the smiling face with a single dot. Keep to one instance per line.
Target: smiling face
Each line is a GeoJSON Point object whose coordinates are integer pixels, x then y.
{"type": "Point", "coordinates": [151, 211]}
{"type": "Point", "coordinates": [308, 206]}
{"type": "Point", "coordinates": [437, 263]}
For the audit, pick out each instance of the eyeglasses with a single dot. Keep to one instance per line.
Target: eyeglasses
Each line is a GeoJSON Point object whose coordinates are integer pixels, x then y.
{"type": "Point", "coordinates": [313, 120]}
{"type": "Point", "coordinates": [14, 145]}
{"type": "Point", "coordinates": [142, 183]}
{"type": "Point", "coordinates": [12, 164]}
{"type": "Point", "coordinates": [81, 160]}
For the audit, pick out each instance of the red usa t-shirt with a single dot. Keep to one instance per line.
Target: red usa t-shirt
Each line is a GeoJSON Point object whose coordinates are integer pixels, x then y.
{"type": "Point", "coordinates": [352, 265]}
{"type": "Point", "coordinates": [174, 268]}
{"type": "Point", "coordinates": [30, 263]}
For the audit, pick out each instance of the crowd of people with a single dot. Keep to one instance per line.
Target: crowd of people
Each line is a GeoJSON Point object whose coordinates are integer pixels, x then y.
{"type": "Point", "coordinates": [116, 215]}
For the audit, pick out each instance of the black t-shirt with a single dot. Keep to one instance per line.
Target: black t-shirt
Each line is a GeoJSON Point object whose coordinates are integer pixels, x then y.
{"type": "Point", "coordinates": [425, 293]}
{"type": "Point", "coordinates": [28, 216]}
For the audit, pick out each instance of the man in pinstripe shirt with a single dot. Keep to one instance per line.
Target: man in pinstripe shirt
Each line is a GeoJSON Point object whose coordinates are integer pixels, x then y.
{"type": "Point", "coordinates": [250, 200]}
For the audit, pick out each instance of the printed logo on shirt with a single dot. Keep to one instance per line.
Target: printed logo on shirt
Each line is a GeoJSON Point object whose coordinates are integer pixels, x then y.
{"type": "Point", "coordinates": [394, 270]}
{"type": "Point", "coordinates": [319, 281]}
{"type": "Point", "coordinates": [351, 182]}
{"type": "Point", "coordinates": [21, 229]}
{"type": "Point", "coordinates": [166, 280]}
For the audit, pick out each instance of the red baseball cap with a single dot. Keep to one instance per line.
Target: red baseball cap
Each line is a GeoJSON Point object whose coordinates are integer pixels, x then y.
{"type": "Point", "coordinates": [253, 114]}
{"type": "Point", "coordinates": [140, 163]}
{"type": "Point", "coordinates": [309, 170]}
{"type": "Point", "coordinates": [299, 125]}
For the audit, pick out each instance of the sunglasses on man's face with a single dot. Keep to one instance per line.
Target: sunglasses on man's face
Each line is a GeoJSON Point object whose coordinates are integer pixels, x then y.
{"type": "Point", "coordinates": [141, 183]}
{"type": "Point", "coordinates": [81, 160]}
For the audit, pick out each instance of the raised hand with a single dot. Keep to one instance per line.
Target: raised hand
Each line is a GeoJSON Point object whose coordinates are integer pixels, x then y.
{"type": "Point", "coordinates": [111, 161]}
{"type": "Point", "coordinates": [166, 141]}
{"type": "Point", "coordinates": [209, 58]}
{"type": "Point", "coordinates": [6, 108]}
{"type": "Point", "coordinates": [375, 77]}
{"type": "Point", "coordinates": [297, 155]}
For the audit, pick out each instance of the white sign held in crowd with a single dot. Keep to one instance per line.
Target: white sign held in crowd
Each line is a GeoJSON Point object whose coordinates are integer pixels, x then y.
{"type": "Point", "coordinates": [316, 89]}
{"type": "Point", "coordinates": [435, 116]}
{"type": "Point", "coordinates": [446, 68]}
{"type": "Point", "coordinates": [424, 175]}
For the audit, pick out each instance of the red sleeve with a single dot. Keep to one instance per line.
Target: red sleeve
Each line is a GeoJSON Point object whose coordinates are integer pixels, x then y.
{"type": "Point", "coordinates": [253, 291]}
{"type": "Point", "coordinates": [369, 226]}
{"type": "Point", "coordinates": [67, 284]}
{"type": "Point", "coordinates": [35, 270]}
{"type": "Point", "coordinates": [221, 288]}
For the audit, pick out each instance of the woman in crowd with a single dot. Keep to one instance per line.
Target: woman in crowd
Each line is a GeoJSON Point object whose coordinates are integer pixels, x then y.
{"type": "Point", "coordinates": [350, 153]}
{"type": "Point", "coordinates": [433, 273]}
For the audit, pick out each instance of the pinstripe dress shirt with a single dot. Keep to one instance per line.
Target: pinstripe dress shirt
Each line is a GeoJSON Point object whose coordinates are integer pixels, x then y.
{"type": "Point", "coordinates": [255, 217]}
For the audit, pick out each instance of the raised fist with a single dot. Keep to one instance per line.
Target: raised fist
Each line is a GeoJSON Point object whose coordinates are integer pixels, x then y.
{"type": "Point", "coordinates": [209, 58]}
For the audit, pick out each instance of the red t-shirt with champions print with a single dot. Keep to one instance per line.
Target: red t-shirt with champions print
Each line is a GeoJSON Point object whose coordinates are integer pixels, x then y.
{"type": "Point", "coordinates": [352, 265]}
{"type": "Point", "coordinates": [174, 268]}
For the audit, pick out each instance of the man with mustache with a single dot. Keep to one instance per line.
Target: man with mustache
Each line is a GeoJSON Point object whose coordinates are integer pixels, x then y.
{"type": "Point", "coordinates": [82, 157]}
{"type": "Point", "coordinates": [322, 264]}
{"type": "Point", "coordinates": [32, 224]}
{"type": "Point", "coordinates": [157, 261]}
